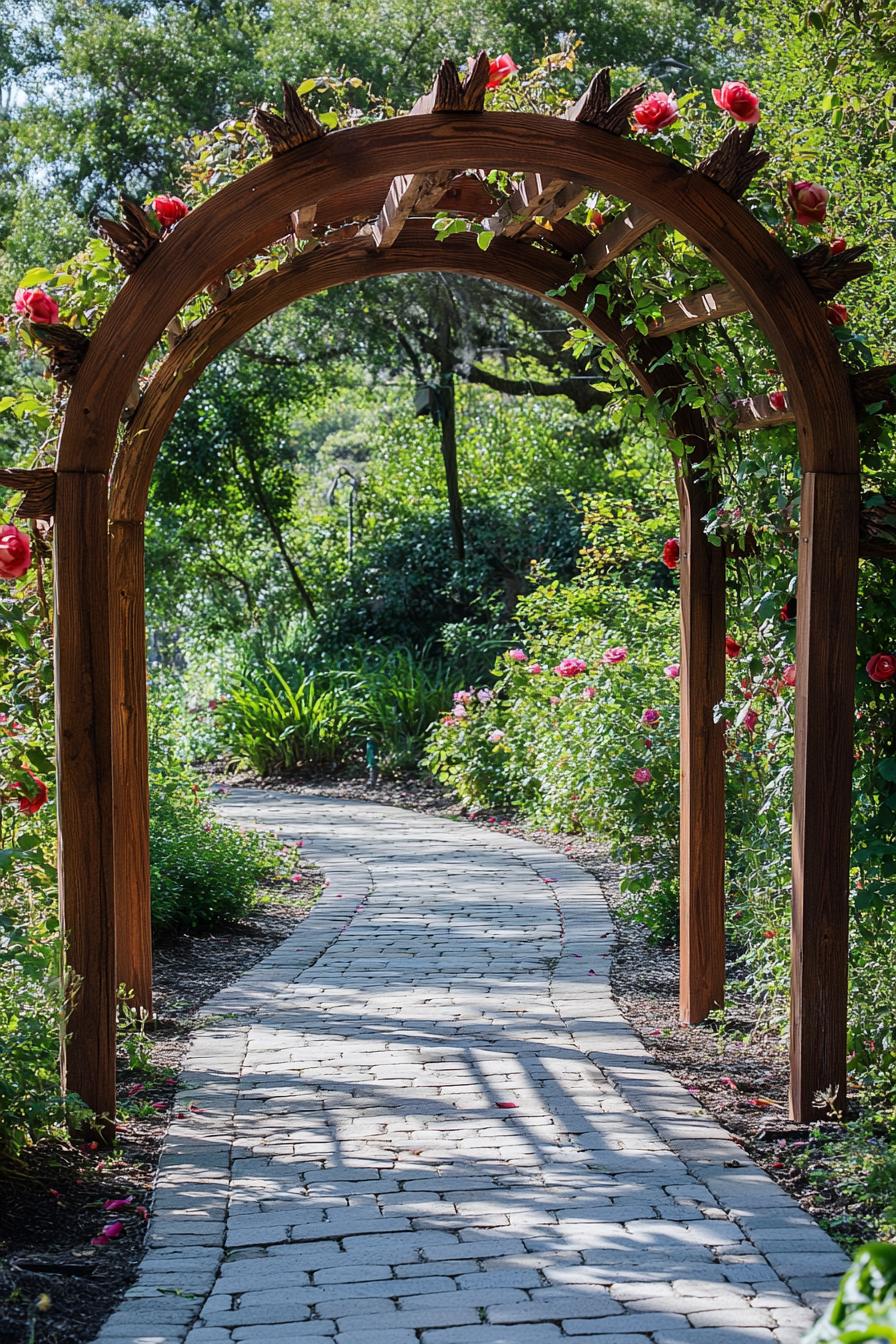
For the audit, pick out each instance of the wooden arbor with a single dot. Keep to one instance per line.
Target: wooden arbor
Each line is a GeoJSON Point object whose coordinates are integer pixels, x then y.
{"type": "Point", "coordinates": [359, 203]}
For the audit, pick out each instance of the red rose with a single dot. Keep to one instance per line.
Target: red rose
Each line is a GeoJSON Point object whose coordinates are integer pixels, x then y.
{"type": "Point", "coordinates": [837, 314]}
{"type": "Point", "coordinates": [33, 801]}
{"type": "Point", "coordinates": [499, 70]}
{"type": "Point", "coordinates": [169, 209]}
{"type": "Point", "coordinates": [596, 219]}
{"type": "Point", "coordinates": [788, 611]}
{"type": "Point", "coordinates": [837, 245]}
{"type": "Point", "coordinates": [739, 101]}
{"type": "Point", "coordinates": [36, 305]}
{"type": "Point", "coordinates": [808, 201]}
{"type": "Point", "coordinates": [732, 648]}
{"type": "Point", "coordinates": [656, 111]}
{"type": "Point", "coordinates": [881, 667]}
{"type": "Point", "coordinates": [671, 553]}
{"type": "Point", "coordinates": [750, 720]}
{"type": "Point", "coordinates": [15, 552]}
{"type": "Point", "coordinates": [777, 401]}
{"type": "Point", "coordinates": [788, 676]}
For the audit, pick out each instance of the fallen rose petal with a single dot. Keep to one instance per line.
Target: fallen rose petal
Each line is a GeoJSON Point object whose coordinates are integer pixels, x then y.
{"type": "Point", "coordinates": [134, 1089]}
{"type": "Point", "coordinates": [160, 1105]}
{"type": "Point", "coordinates": [99, 1241]}
{"type": "Point", "coordinates": [112, 1230]}
{"type": "Point", "coordinates": [143, 1212]}
{"type": "Point", "coordinates": [116, 1205]}
{"type": "Point", "coordinates": [507, 1105]}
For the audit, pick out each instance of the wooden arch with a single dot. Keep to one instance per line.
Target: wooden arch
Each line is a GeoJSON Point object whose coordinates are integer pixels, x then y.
{"type": "Point", "coordinates": [379, 176]}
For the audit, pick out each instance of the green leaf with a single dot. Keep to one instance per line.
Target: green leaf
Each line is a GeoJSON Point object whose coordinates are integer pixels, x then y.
{"type": "Point", "coordinates": [484, 239]}
{"type": "Point", "coordinates": [38, 275]}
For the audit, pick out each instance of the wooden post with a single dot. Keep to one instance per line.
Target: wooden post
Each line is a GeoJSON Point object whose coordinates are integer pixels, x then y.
{"type": "Point", "coordinates": [130, 764]}
{"type": "Point", "coordinates": [822, 789]}
{"type": "Point", "coordinates": [702, 871]}
{"type": "Point", "coordinates": [84, 782]}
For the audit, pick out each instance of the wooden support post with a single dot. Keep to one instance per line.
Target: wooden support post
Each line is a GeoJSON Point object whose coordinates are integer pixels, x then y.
{"type": "Point", "coordinates": [130, 763]}
{"type": "Point", "coordinates": [84, 782]}
{"type": "Point", "coordinates": [702, 870]}
{"type": "Point", "coordinates": [822, 789]}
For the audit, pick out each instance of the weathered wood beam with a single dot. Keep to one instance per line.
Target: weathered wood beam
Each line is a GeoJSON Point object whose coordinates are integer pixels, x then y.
{"type": "Point", "coordinates": [706, 306]}
{"type": "Point", "coordinates": [130, 239]}
{"type": "Point", "coordinates": [871, 387]}
{"type": "Point", "coordinates": [297, 126]}
{"type": "Point", "coordinates": [825, 273]}
{"type": "Point", "coordinates": [734, 163]}
{"type": "Point", "coordinates": [545, 199]}
{"type": "Point", "coordinates": [38, 486]}
{"type": "Point", "coordinates": [67, 348]}
{"type": "Point", "coordinates": [617, 237]}
{"type": "Point", "coordinates": [420, 192]}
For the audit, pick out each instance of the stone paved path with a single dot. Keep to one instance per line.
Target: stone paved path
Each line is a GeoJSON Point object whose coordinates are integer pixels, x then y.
{"type": "Point", "coordinates": [353, 1168]}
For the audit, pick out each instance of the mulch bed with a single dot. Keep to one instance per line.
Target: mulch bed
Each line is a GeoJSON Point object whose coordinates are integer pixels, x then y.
{"type": "Point", "coordinates": [55, 1287]}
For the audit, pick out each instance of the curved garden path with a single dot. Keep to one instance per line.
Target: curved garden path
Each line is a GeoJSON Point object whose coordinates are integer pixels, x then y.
{"type": "Point", "coordinates": [352, 1167]}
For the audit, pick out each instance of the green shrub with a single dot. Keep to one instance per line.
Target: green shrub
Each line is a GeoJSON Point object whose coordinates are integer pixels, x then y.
{"type": "Point", "coordinates": [274, 726]}
{"type": "Point", "coordinates": [203, 872]}
{"type": "Point", "coordinates": [865, 1307]}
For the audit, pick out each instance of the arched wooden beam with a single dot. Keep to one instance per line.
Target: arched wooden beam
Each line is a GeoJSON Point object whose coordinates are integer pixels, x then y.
{"type": "Point", "coordinates": [535, 271]}
{"type": "Point", "coordinates": [250, 214]}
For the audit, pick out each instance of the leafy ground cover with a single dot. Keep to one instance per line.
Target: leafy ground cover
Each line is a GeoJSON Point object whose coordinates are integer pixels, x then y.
{"type": "Point", "coordinates": [56, 1287]}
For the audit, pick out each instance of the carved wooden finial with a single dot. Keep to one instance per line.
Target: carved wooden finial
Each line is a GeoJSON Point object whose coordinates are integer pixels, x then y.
{"type": "Point", "coordinates": [473, 92]}
{"type": "Point", "coordinates": [132, 238]}
{"type": "Point", "coordinates": [827, 272]}
{"type": "Point", "coordinates": [734, 163]}
{"type": "Point", "coordinates": [67, 348]}
{"type": "Point", "coordinates": [594, 108]}
{"type": "Point", "coordinates": [297, 126]}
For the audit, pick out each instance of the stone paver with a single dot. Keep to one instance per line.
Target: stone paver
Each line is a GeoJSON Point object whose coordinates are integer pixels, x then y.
{"type": "Point", "coordinates": [422, 1120]}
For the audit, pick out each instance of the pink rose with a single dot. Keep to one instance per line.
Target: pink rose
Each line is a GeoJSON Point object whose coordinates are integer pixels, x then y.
{"type": "Point", "coordinates": [589, 692]}
{"type": "Point", "coordinates": [881, 667]}
{"type": "Point", "coordinates": [672, 671]}
{"type": "Point", "coordinates": [33, 800]}
{"type": "Point", "coordinates": [788, 676]}
{"type": "Point", "coordinates": [642, 775]}
{"type": "Point", "coordinates": [555, 699]}
{"type": "Point", "coordinates": [650, 716]}
{"type": "Point", "coordinates": [36, 305]}
{"type": "Point", "coordinates": [656, 111]}
{"type": "Point", "coordinates": [671, 553]}
{"type": "Point", "coordinates": [495, 735]}
{"type": "Point", "coordinates": [617, 654]}
{"type": "Point", "coordinates": [499, 70]}
{"type": "Point", "coordinates": [516, 655]}
{"type": "Point", "coordinates": [459, 711]}
{"type": "Point", "coordinates": [15, 552]}
{"type": "Point", "coordinates": [169, 209]}
{"type": "Point", "coordinates": [462, 697]}
{"type": "Point", "coordinates": [808, 201]}
{"type": "Point", "coordinates": [739, 101]}
{"type": "Point", "coordinates": [571, 667]}
{"type": "Point", "coordinates": [535, 669]}
{"type": "Point", "coordinates": [750, 719]}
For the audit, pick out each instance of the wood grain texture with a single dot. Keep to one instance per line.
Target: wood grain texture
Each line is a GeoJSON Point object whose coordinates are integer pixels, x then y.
{"type": "Point", "coordinates": [706, 306]}
{"type": "Point", "coordinates": [130, 763]}
{"type": "Point", "coordinates": [84, 782]}
{"type": "Point", "coordinates": [822, 779]}
{"type": "Point", "coordinates": [617, 238]}
{"type": "Point", "coordinates": [38, 485]}
{"type": "Point", "coordinates": [702, 766]}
